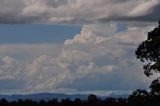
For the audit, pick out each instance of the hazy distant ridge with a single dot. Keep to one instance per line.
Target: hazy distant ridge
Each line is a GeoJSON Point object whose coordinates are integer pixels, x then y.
{"type": "Point", "coordinates": [50, 96]}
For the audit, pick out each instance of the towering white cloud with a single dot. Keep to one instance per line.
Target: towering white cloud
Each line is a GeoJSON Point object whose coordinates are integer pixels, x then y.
{"type": "Point", "coordinates": [88, 61]}
{"type": "Point", "coordinates": [91, 59]}
{"type": "Point", "coordinates": [77, 11]}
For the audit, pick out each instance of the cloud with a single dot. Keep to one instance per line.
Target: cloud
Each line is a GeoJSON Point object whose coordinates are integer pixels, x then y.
{"type": "Point", "coordinates": [14, 62]}
{"type": "Point", "coordinates": [7, 65]}
{"type": "Point", "coordinates": [144, 8]}
{"type": "Point", "coordinates": [12, 75]}
{"type": "Point", "coordinates": [24, 51]}
{"type": "Point", "coordinates": [88, 62]}
{"type": "Point", "coordinates": [108, 56]}
{"type": "Point", "coordinates": [77, 11]}
{"type": "Point", "coordinates": [91, 60]}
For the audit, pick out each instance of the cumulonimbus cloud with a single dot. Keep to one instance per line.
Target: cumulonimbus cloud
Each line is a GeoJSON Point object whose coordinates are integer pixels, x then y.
{"type": "Point", "coordinates": [88, 61]}
{"type": "Point", "coordinates": [78, 11]}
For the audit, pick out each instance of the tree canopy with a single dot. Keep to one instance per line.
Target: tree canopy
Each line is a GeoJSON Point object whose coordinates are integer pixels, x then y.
{"type": "Point", "coordinates": [149, 52]}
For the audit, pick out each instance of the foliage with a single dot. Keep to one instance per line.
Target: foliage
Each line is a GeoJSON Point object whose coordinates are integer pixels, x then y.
{"type": "Point", "coordinates": [155, 87]}
{"type": "Point", "coordinates": [141, 97]}
{"type": "Point", "coordinates": [149, 52]}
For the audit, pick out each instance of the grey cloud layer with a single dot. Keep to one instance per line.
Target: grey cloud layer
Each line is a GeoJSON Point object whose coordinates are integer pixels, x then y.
{"type": "Point", "coordinates": [77, 11]}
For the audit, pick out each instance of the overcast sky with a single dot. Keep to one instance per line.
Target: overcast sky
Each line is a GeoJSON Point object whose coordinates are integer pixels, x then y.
{"type": "Point", "coordinates": [73, 46]}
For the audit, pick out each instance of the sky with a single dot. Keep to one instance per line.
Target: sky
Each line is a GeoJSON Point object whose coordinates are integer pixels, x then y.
{"type": "Point", "coordinates": [74, 46]}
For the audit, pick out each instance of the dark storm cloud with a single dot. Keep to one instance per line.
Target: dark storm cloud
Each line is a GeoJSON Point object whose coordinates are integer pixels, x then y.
{"type": "Point", "coordinates": [77, 11]}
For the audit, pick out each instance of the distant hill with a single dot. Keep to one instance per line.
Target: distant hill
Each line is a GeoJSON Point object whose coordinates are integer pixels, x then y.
{"type": "Point", "coordinates": [50, 96]}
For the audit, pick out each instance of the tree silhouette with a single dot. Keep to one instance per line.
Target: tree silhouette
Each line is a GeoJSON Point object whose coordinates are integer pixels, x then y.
{"type": "Point", "coordinates": [149, 52]}
{"type": "Point", "coordinates": [3, 102]}
{"type": "Point", "coordinates": [92, 98]}
{"type": "Point", "coordinates": [138, 97]}
{"type": "Point", "coordinates": [77, 101]}
{"type": "Point", "coordinates": [155, 87]}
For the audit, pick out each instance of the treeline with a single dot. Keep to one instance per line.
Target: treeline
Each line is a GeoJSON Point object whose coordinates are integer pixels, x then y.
{"type": "Point", "coordinates": [138, 97]}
